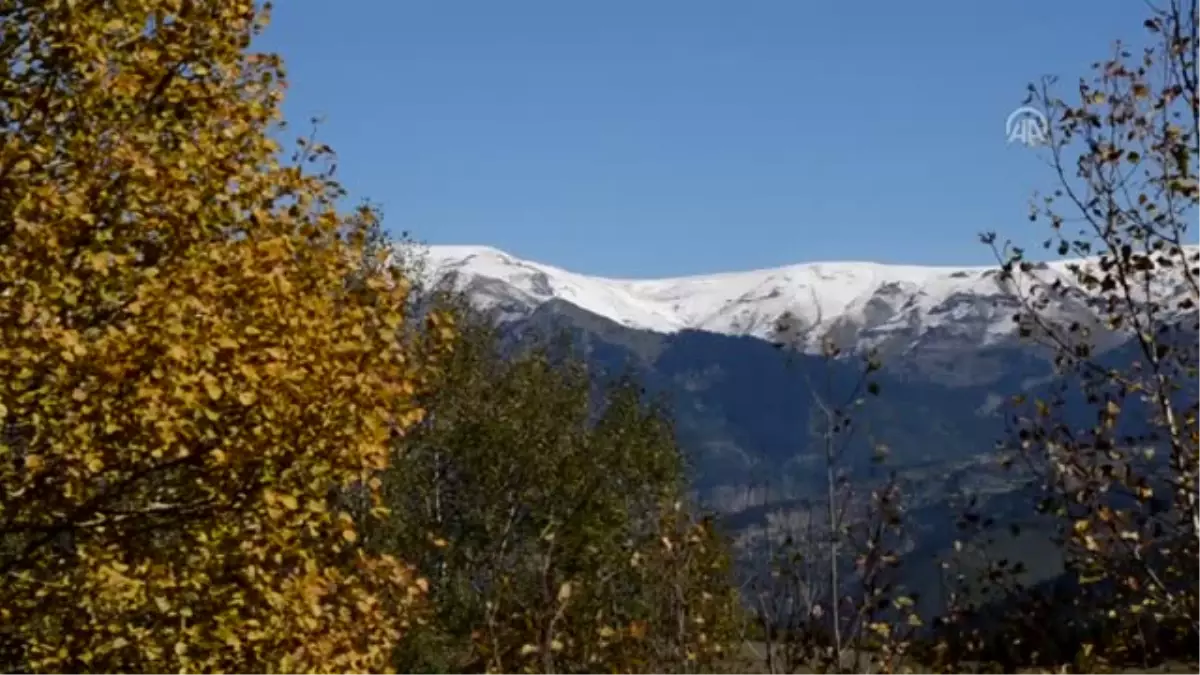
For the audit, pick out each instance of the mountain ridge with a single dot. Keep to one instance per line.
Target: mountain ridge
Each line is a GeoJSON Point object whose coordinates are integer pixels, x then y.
{"type": "Point", "coordinates": [899, 309]}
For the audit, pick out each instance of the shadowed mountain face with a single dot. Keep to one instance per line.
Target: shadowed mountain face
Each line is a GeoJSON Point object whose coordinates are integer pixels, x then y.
{"type": "Point", "coordinates": [748, 419]}
{"type": "Point", "coordinates": [746, 411]}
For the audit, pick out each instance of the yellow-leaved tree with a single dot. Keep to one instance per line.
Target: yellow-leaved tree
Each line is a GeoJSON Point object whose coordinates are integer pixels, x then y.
{"type": "Point", "coordinates": [196, 357]}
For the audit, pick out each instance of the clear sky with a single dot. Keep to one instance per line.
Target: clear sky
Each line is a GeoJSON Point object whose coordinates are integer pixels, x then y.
{"type": "Point", "coordinates": [663, 137]}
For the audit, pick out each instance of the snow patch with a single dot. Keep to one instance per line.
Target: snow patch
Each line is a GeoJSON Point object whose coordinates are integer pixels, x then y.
{"type": "Point", "coordinates": [875, 302]}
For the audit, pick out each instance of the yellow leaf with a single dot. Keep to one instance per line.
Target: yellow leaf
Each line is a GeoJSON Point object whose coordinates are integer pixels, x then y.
{"type": "Point", "coordinates": [212, 388]}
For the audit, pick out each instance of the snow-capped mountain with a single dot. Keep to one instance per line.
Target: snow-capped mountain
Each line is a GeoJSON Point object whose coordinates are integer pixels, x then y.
{"type": "Point", "coordinates": [859, 304]}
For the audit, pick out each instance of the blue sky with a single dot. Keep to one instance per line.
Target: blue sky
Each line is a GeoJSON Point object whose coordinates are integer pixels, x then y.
{"type": "Point", "coordinates": [662, 137]}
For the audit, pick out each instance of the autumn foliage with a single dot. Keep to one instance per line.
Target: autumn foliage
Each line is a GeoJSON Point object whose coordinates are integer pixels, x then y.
{"type": "Point", "coordinates": [215, 454]}
{"type": "Point", "coordinates": [187, 374]}
{"type": "Point", "coordinates": [1124, 483]}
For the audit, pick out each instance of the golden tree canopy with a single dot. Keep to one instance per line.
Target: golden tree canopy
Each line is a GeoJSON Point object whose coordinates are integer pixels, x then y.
{"type": "Point", "coordinates": [188, 375]}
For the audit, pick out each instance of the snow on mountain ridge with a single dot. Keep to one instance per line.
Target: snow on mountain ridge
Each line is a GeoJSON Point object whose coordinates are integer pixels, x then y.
{"type": "Point", "coordinates": [529, 284]}
{"type": "Point", "coordinates": [867, 303]}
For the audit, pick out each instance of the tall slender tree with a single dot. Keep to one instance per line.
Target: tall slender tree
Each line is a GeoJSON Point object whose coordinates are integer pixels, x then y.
{"type": "Point", "coordinates": [1123, 478]}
